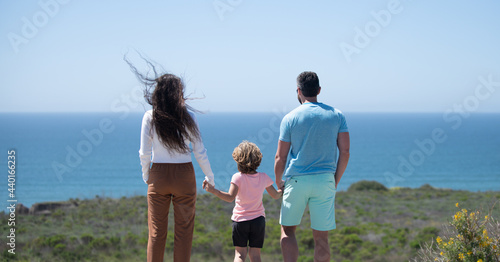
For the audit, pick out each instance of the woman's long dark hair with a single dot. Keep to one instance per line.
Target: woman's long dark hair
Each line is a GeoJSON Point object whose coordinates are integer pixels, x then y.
{"type": "Point", "coordinates": [171, 118]}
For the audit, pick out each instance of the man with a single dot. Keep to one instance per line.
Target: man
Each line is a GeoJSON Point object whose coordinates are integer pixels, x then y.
{"type": "Point", "coordinates": [311, 133]}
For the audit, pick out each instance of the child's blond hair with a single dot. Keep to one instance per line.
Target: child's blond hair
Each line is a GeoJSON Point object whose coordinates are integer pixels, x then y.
{"type": "Point", "coordinates": [248, 157]}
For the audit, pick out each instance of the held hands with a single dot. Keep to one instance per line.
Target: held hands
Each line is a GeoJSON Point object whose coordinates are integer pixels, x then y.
{"type": "Point", "coordinates": [208, 187]}
{"type": "Point", "coordinates": [280, 184]}
{"type": "Point", "coordinates": [276, 194]}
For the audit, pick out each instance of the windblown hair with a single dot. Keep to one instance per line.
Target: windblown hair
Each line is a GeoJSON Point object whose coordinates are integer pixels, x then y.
{"type": "Point", "coordinates": [248, 157]}
{"type": "Point", "coordinates": [171, 118]}
{"type": "Point", "coordinates": [308, 82]}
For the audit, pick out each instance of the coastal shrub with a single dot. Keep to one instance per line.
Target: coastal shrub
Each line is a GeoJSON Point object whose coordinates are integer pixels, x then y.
{"type": "Point", "coordinates": [6, 256]}
{"type": "Point", "coordinates": [365, 185]}
{"type": "Point", "coordinates": [49, 241]}
{"type": "Point", "coordinates": [364, 254]}
{"type": "Point", "coordinates": [352, 239]}
{"type": "Point", "coordinates": [59, 248]}
{"type": "Point", "coordinates": [100, 243]}
{"type": "Point", "coordinates": [402, 235]}
{"type": "Point", "coordinates": [427, 233]}
{"type": "Point", "coordinates": [350, 230]}
{"type": "Point", "coordinates": [58, 214]}
{"type": "Point", "coordinates": [471, 238]}
{"type": "Point", "coordinates": [306, 241]}
{"type": "Point", "coordinates": [304, 258]}
{"type": "Point", "coordinates": [427, 187]}
{"type": "Point", "coordinates": [131, 239]}
{"type": "Point", "coordinates": [115, 241]}
{"type": "Point", "coordinates": [86, 238]}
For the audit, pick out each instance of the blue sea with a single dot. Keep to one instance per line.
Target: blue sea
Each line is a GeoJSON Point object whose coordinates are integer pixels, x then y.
{"type": "Point", "coordinates": [82, 155]}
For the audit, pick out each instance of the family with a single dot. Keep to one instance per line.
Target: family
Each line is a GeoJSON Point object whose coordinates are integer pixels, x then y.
{"type": "Point", "coordinates": [307, 171]}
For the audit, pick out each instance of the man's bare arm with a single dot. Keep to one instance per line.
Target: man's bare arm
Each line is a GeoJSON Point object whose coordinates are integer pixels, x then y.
{"type": "Point", "coordinates": [280, 162]}
{"type": "Point", "coordinates": [343, 143]}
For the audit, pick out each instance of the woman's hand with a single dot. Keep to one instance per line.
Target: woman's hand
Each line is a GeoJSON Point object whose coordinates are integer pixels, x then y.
{"type": "Point", "coordinates": [208, 187]}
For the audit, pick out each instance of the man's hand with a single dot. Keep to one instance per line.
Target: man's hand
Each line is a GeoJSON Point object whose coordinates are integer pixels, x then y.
{"type": "Point", "coordinates": [343, 143]}
{"type": "Point", "coordinates": [280, 184]}
{"type": "Point", "coordinates": [280, 162]}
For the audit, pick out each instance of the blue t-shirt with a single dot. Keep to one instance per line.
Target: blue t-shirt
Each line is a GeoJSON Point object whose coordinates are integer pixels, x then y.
{"type": "Point", "coordinates": [312, 130]}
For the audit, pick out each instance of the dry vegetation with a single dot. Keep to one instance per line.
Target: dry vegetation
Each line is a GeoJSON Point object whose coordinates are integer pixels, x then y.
{"type": "Point", "coordinates": [373, 224]}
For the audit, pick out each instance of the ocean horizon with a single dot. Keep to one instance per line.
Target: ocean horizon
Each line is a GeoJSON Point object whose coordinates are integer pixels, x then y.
{"type": "Point", "coordinates": [82, 155]}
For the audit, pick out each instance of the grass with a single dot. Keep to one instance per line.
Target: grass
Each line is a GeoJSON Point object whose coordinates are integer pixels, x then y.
{"type": "Point", "coordinates": [372, 225]}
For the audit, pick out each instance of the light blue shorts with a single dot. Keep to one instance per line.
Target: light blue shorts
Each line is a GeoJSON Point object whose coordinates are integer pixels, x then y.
{"type": "Point", "coordinates": [317, 191]}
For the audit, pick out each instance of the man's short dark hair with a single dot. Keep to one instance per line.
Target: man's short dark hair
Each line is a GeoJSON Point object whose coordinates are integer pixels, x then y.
{"type": "Point", "coordinates": [308, 82]}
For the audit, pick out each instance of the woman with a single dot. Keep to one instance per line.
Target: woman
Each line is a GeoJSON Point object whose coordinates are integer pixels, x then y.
{"type": "Point", "coordinates": [167, 131]}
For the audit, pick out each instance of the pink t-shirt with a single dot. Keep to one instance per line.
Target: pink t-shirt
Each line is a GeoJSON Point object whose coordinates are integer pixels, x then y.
{"type": "Point", "coordinates": [248, 204]}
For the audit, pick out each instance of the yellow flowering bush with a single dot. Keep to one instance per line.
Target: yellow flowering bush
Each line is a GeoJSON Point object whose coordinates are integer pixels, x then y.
{"type": "Point", "coordinates": [470, 238]}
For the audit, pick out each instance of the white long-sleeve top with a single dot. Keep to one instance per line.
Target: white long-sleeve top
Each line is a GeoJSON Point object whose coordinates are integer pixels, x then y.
{"type": "Point", "coordinates": [152, 150]}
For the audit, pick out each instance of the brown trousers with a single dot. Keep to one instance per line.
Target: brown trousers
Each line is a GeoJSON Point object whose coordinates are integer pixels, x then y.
{"type": "Point", "coordinates": [171, 182]}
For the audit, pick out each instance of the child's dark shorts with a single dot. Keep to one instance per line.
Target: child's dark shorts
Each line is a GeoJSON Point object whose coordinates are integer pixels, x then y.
{"type": "Point", "coordinates": [249, 233]}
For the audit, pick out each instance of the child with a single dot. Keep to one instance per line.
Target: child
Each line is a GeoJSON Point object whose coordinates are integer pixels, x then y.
{"type": "Point", "coordinates": [247, 188]}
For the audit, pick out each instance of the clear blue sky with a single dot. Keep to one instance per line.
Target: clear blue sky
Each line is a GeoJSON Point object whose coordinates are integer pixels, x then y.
{"type": "Point", "coordinates": [427, 58]}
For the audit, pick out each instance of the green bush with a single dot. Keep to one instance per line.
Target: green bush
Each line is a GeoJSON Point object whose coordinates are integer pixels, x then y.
{"type": "Point", "coordinates": [427, 187]}
{"type": "Point", "coordinates": [427, 234]}
{"type": "Point", "coordinates": [86, 238]}
{"type": "Point", "coordinates": [350, 230]}
{"type": "Point", "coordinates": [59, 248]}
{"type": "Point", "coordinates": [352, 239]}
{"type": "Point", "coordinates": [53, 241]}
{"type": "Point", "coordinates": [100, 243]}
{"type": "Point", "coordinates": [365, 185]}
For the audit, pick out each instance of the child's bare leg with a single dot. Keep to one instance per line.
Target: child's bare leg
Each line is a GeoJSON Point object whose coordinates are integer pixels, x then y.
{"type": "Point", "coordinates": [240, 254]}
{"type": "Point", "coordinates": [254, 254]}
